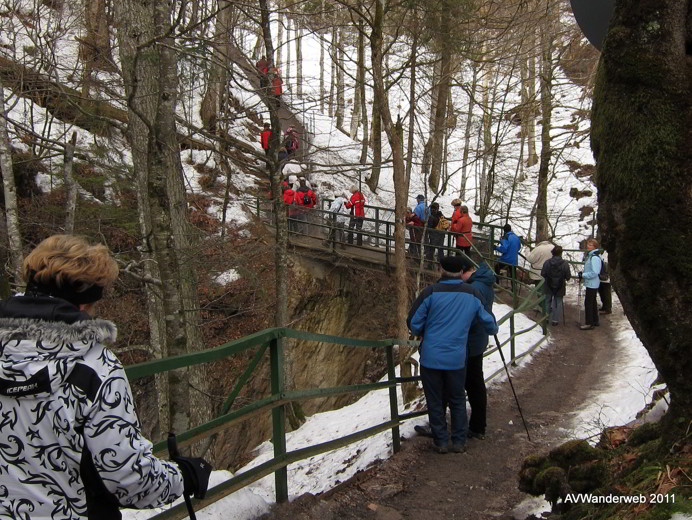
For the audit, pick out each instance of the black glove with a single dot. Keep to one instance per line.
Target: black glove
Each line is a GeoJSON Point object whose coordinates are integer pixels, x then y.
{"type": "Point", "coordinates": [580, 275]}
{"type": "Point", "coordinates": [195, 472]}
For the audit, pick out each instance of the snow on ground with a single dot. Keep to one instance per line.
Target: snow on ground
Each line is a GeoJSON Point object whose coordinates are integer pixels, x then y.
{"type": "Point", "coordinates": [322, 472]}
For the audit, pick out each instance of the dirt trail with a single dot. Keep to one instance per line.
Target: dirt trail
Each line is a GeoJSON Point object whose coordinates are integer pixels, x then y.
{"type": "Point", "coordinates": [480, 484]}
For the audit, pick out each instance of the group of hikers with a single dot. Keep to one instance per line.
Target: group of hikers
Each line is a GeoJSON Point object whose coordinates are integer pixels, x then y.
{"type": "Point", "coordinates": [265, 71]}
{"type": "Point", "coordinates": [290, 143]}
{"type": "Point", "coordinates": [546, 263]}
{"type": "Point", "coordinates": [454, 319]}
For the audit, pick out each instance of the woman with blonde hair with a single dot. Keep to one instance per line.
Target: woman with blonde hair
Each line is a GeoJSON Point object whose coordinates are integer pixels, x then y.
{"type": "Point", "coordinates": [70, 442]}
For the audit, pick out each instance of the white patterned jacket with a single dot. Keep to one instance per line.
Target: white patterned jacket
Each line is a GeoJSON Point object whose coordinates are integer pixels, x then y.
{"type": "Point", "coordinates": [70, 441]}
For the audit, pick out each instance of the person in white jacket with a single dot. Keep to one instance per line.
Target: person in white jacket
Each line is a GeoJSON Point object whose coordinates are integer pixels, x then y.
{"type": "Point", "coordinates": [70, 441]}
{"type": "Point", "coordinates": [337, 217]}
{"type": "Point", "coordinates": [538, 256]}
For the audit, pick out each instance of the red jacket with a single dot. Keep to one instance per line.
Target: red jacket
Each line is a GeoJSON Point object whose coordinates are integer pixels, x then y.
{"type": "Point", "coordinates": [357, 204]}
{"type": "Point", "coordinates": [462, 223]}
{"type": "Point", "coordinates": [289, 196]}
{"type": "Point", "coordinates": [262, 66]}
{"type": "Point", "coordinates": [306, 198]}
{"type": "Point", "coordinates": [265, 136]}
{"type": "Point", "coordinates": [278, 83]}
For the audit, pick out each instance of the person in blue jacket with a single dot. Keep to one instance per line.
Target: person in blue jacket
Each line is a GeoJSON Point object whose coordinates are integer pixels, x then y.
{"type": "Point", "coordinates": [592, 268]}
{"type": "Point", "coordinates": [442, 315]}
{"type": "Point", "coordinates": [481, 278]}
{"type": "Point", "coordinates": [509, 247]}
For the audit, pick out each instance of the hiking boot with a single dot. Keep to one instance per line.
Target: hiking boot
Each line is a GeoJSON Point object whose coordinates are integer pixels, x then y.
{"type": "Point", "coordinates": [586, 327]}
{"type": "Point", "coordinates": [475, 435]}
{"type": "Point", "coordinates": [425, 431]}
{"type": "Point", "coordinates": [458, 448]}
{"type": "Point", "coordinates": [442, 450]}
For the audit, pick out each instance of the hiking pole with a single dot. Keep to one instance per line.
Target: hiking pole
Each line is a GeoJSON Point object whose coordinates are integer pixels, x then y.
{"type": "Point", "coordinates": [579, 300]}
{"type": "Point", "coordinates": [173, 452]}
{"type": "Point", "coordinates": [504, 364]}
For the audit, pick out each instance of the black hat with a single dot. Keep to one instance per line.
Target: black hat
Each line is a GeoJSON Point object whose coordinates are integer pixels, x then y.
{"type": "Point", "coordinates": [507, 228]}
{"type": "Point", "coordinates": [455, 264]}
{"type": "Point", "coordinates": [420, 197]}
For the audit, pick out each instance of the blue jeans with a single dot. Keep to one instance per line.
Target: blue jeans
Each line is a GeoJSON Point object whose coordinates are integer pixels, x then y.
{"type": "Point", "coordinates": [440, 387]}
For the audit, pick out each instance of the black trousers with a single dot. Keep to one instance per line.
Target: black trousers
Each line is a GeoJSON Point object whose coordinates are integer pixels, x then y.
{"type": "Point", "coordinates": [606, 297]}
{"type": "Point", "coordinates": [445, 387]}
{"type": "Point", "coordinates": [435, 239]}
{"type": "Point", "coordinates": [591, 307]}
{"type": "Point", "coordinates": [476, 393]}
{"type": "Point", "coordinates": [355, 222]}
{"type": "Point", "coordinates": [511, 273]}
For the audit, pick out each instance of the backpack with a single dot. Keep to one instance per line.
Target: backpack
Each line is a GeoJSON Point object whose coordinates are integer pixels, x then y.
{"type": "Point", "coordinates": [603, 275]}
{"type": "Point", "coordinates": [443, 223]}
{"type": "Point", "coordinates": [307, 198]}
{"type": "Point", "coordinates": [555, 278]}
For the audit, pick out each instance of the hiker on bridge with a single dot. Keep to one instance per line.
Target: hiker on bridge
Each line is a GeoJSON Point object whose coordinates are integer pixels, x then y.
{"type": "Point", "coordinates": [421, 212]}
{"type": "Point", "coordinates": [509, 247]}
{"type": "Point", "coordinates": [305, 199]}
{"type": "Point", "coordinates": [291, 141]}
{"type": "Point", "coordinates": [277, 85]}
{"type": "Point", "coordinates": [556, 273]}
{"type": "Point", "coordinates": [357, 207]}
{"type": "Point", "coordinates": [71, 445]}
{"type": "Point", "coordinates": [442, 315]}
{"type": "Point", "coordinates": [436, 235]}
{"type": "Point", "coordinates": [462, 223]}
{"type": "Point", "coordinates": [412, 222]}
{"type": "Point", "coordinates": [289, 195]}
{"type": "Point", "coordinates": [337, 220]}
{"type": "Point", "coordinates": [592, 270]}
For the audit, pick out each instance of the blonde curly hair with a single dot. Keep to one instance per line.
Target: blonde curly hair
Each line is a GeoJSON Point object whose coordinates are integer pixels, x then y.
{"type": "Point", "coordinates": [68, 260]}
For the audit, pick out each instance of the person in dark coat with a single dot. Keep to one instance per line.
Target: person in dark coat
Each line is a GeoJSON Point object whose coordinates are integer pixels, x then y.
{"type": "Point", "coordinates": [442, 315]}
{"type": "Point", "coordinates": [555, 272]}
{"type": "Point", "coordinates": [434, 237]}
{"type": "Point", "coordinates": [481, 278]}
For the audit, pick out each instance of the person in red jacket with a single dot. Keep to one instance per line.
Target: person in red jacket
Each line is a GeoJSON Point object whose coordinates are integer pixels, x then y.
{"type": "Point", "coordinates": [357, 207]}
{"type": "Point", "coordinates": [277, 85]}
{"type": "Point", "coordinates": [262, 67]}
{"type": "Point", "coordinates": [265, 138]}
{"type": "Point", "coordinates": [462, 223]}
{"type": "Point", "coordinates": [290, 202]}
{"type": "Point", "coordinates": [413, 222]}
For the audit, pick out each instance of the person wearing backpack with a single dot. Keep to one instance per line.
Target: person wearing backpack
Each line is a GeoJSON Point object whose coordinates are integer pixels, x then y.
{"type": "Point", "coordinates": [337, 218]}
{"type": "Point", "coordinates": [604, 289]}
{"type": "Point", "coordinates": [357, 207]}
{"type": "Point", "coordinates": [305, 199]}
{"type": "Point", "coordinates": [592, 270]}
{"type": "Point", "coordinates": [462, 223]}
{"type": "Point", "coordinates": [434, 235]}
{"type": "Point", "coordinates": [555, 272]}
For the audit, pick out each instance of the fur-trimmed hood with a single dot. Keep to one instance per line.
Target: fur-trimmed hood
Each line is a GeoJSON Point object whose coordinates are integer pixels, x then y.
{"type": "Point", "coordinates": [42, 352]}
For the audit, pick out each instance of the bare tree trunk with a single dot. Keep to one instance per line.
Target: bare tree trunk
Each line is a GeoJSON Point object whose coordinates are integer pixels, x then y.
{"type": "Point", "coordinates": [299, 61]}
{"type": "Point", "coordinates": [151, 85]}
{"type": "Point", "coordinates": [14, 236]}
{"type": "Point", "coordinates": [95, 48]}
{"type": "Point", "coordinates": [360, 79]}
{"type": "Point", "coordinates": [640, 137]}
{"type": "Point", "coordinates": [287, 75]}
{"type": "Point", "coordinates": [531, 156]}
{"type": "Point", "coordinates": [440, 119]}
{"type": "Point", "coordinates": [279, 35]}
{"type": "Point", "coordinates": [395, 136]}
{"type": "Point", "coordinates": [547, 44]}
{"type": "Point", "coordinates": [374, 179]}
{"type": "Point", "coordinates": [71, 203]}
{"type": "Point", "coordinates": [218, 76]}
{"type": "Point", "coordinates": [467, 131]}
{"type": "Point", "coordinates": [333, 79]}
{"type": "Point", "coordinates": [412, 110]}
{"type": "Point", "coordinates": [340, 82]}
{"type": "Point", "coordinates": [364, 109]}
{"type": "Point", "coordinates": [323, 92]}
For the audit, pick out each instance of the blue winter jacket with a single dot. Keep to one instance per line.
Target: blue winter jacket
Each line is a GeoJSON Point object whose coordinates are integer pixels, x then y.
{"type": "Point", "coordinates": [443, 314]}
{"type": "Point", "coordinates": [509, 247]}
{"type": "Point", "coordinates": [482, 280]}
{"type": "Point", "coordinates": [421, 211]}
{"type": "Point", "coordinates": [592, 268]}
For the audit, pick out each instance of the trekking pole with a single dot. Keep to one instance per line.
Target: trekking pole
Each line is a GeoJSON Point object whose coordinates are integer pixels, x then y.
{"type": "Point", "coordinates": [579, 300]}
{"type": "Point", "coordinates": [504, 364]}
{"type": "Point", "coordinates": [173, 452]}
